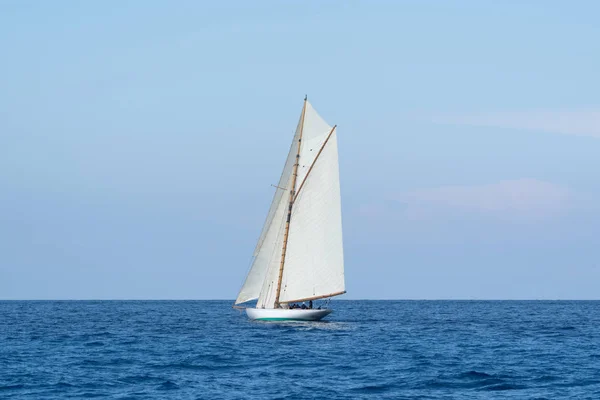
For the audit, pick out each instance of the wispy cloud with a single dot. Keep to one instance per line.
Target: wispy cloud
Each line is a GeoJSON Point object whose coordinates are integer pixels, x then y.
{"type": "Point", "coordinates": [582, 122]}
{"type": "Point", "coordinates": [520, 198]}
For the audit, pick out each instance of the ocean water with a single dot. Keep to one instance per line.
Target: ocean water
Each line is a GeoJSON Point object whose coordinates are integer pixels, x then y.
{"type": "Point", "coordinates": [366, 349]}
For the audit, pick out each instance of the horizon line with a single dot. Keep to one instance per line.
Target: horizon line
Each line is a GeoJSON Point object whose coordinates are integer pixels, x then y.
{"type": "Point", "coordinates": [233, 300]}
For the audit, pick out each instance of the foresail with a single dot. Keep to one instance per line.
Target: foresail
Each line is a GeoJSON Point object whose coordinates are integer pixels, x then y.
{"type": "Point", "coordinates": [267, 253]}
{"type": "Point", "coordinates": [268, 292]}
{"type": "Point", "coordinates": [266, 247]}
{"type": "Point", "coordinates": [314, 265]}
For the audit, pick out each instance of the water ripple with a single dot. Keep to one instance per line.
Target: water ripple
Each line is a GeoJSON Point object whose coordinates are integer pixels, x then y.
{"type": "Point", "coordinates": [367, 349]}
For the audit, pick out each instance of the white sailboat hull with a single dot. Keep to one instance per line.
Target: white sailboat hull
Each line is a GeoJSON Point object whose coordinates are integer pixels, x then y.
{"type": "Point", "coordinates": [279, 314]}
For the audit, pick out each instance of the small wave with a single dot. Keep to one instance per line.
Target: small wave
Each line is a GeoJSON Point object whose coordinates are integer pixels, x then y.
{"type": "Point", "coordinates": [89, 395]}
{"type": "Point", "coordinates": [90, 362]}
{"type": "Point", "coordinates": [168, 385]}
{"type": "Point", "coordinates": [465, 382]}
{"type": "Point", "coordinates": [475, 374]}
{"type": "Point", "coordinates": [130, 341]}
{"type": "Point", "coordinates": [94, 336]}
{"type": "Point", "coordinates": [192, 367]}
{"type": "Point", "coordinates": [579, 382]}
{"type": "Point", "coordinates": [94, 344]}
{"type": "Point", "coordinates": [103, 362]}
{"type": "Point", "coordinates": [12, 387]}
{"type": "Point", "coordinates": [140, 379]}
{"type": "Point", "coordinates": [372, 388]}
{"type": "Point", "coordinates": [546, 378]}
{"type": "Point", "coordinates": [62, 385]}
{"type": "Point", "coordinates": [502, 386]}
{"type": "Point", "coordinates": [293, 326]}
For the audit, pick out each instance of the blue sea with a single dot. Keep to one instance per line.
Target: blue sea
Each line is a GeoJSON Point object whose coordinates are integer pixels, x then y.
{"type": "Point", "coordinates": [366, 349]}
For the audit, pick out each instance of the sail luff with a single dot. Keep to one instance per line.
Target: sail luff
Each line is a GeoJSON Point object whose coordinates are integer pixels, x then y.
{"type": "Point", "coordinates": [291, 203]}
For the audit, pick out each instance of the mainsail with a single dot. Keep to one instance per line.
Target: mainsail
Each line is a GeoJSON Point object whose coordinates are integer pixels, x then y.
{"type": "Point", "coordinates": [313, 265]}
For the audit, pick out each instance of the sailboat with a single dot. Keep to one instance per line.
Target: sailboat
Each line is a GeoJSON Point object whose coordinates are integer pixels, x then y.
{"type": "Point", "coordinates": [299, 255]}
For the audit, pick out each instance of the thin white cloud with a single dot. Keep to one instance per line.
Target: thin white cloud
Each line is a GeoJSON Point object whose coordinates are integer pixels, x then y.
{"type": "Point", "coordinates": [583, 122]}
{"type": "Point", "coordinates": [521, 198]}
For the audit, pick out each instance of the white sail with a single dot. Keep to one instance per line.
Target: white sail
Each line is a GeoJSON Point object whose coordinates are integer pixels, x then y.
{"type": "Point", "coordinates": [314, 133]}
{"type": "Point", "coordinates": [314, 265]}
{"type": "Point", "coordinates": [268, 258]}
{"type": "Point", "coordinates": [266, 248]}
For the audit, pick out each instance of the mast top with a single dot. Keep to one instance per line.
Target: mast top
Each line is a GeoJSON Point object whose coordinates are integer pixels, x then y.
{"type": "Point", "coordinates": [305, 97]}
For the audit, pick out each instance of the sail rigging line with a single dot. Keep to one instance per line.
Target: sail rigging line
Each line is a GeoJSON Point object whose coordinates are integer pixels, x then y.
{"type": "Point", "coordinates": [291, 203]}
{"type": "Point", "coordinates": [314, 297]}
{"type": "Point", "coordinates": [314, 161]}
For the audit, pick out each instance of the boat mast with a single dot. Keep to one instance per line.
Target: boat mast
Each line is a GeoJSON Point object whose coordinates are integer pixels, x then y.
{"type": "Point", "coordinates": [291, 203]}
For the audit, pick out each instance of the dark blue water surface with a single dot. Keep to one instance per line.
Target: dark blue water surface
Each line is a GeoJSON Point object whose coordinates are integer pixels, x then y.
{"type": "Point", "coordinates": [367, 349]}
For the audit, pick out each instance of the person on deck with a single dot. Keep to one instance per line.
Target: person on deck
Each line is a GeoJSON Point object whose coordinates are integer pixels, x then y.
{"type": "Point", "coordinates": [310, 304]}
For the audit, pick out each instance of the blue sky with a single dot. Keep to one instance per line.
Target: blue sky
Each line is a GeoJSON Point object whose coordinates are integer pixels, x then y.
{"type": "Point", "coordinates": [139, 140]}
